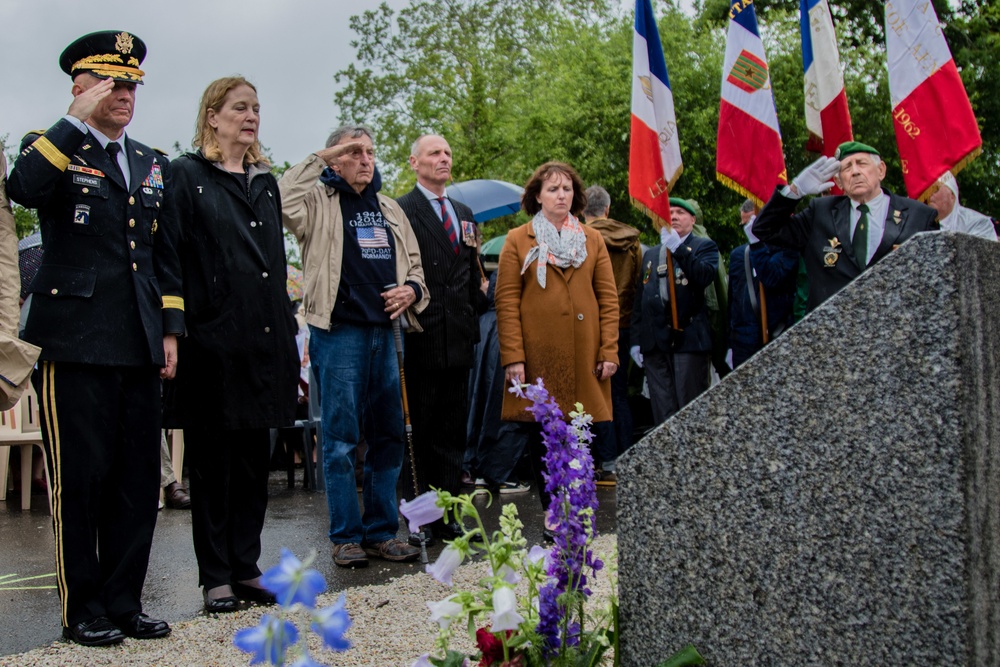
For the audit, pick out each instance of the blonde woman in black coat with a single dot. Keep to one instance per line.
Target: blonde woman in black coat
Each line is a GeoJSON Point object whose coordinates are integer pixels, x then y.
{"type": "Point", "coordinates": [240, 366]}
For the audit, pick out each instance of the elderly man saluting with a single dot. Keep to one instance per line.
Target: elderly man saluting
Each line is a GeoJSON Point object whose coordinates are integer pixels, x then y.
{"type": "Point", "coordinates": [354, 243]}
{"type": "Point", "coordinates": [841, 236]}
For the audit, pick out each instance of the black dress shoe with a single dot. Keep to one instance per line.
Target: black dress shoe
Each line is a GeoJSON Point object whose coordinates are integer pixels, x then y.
{"type": "Point", "coordinates": [448, 531]}
{"type": "Point", "coordinates": [253, 594]}
{"type": "Point", "coordinates": [414, 538]}
{"type": "Point", "coordinates": [141, 626]}
{"type": "Point", "coordinates": [225, 605]}
{"type": "Point", "coordinates": [97, 632]}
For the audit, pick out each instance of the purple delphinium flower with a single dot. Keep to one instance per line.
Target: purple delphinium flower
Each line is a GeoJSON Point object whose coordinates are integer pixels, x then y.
{"type": "Point", "coordinates": [423, 661]}
{"type": "Point", "coordinates": [422, 510]}
{"type": "Point", "coordinates": [267, 641]}
{"type": "Point", "coordinates": [569, 480]}
{"type": "Point", "coordinates": [446, 564]}
{"type": "Point", "coordinates": [331, 624]}
{"type": "Point", "coordinates": [292, 582]}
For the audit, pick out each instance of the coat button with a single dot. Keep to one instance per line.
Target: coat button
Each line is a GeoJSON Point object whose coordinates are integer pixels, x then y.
{"type": "Point", "coordinates": [253, 224]}
{"type": "Point", "coordinates": [131, 244]}
{"type": "Point", "coordinates": [134, 267]}
{"type": "Point", "coordinates": [54, 291]}
{"type": "Point", "coordinates": [131, 223]}
{"type": "Point", "coordinates": [157, 204]}
{"type": "Point", "coordinates": [579, 316]}
{"type": "Point", "coordinates": [85, 190]}
{"type": "Point", "coordinates": [131, 201]}
{"type": "Point", "coordinates": [264, 275]}
{"type": "Point", "coordinates": [267, 329]}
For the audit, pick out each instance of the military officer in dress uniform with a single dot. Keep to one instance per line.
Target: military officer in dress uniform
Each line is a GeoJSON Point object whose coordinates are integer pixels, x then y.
{"type": "Point", "coordinates": [841, 236]}
{"type": "Point", "coordinates": [105, 311]}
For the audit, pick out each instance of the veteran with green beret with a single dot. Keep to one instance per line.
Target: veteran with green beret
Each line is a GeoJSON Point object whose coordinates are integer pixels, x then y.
{"type": "Point", "coordinates": [671, 333]}
{"type": "Point", "coordinates": [840, 236]}
{"type": "Point", "coordinates": [106, 307]}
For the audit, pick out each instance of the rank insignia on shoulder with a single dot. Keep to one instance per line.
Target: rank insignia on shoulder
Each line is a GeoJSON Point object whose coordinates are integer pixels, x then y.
{"type": "Point", "coordinates": [82, 215]}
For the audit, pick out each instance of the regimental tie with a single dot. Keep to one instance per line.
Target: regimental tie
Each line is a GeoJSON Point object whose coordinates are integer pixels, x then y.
{"type": "Point", "coordinates": [449, 228]}
{"type": "Point", "coordinates": [113, 148]}
{"type": "Point", "coordinates": [860, 240]}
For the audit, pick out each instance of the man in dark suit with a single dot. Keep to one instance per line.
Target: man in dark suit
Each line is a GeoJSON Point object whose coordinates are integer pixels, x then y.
{"type": "Point", "coordinates": [673, 341]}
{"type": "Point", "coordinates": [825, 233]}
{"type": "Point", "coordinates": [105, 310]}
{"type": "Point", "coordinates": [437, 360]}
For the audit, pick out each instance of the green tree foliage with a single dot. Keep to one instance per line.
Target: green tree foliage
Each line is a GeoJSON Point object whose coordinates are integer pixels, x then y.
{"type": "Point", "coordinates": [514, 83]}
{"type": "Point", "coordinates": [25, 219]}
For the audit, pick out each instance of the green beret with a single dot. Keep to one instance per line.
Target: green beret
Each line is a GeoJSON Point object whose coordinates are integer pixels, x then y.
{"type": "Point", "coordinates": [684, 204]}
{"type": "Point", "coordinates": [851, 147]}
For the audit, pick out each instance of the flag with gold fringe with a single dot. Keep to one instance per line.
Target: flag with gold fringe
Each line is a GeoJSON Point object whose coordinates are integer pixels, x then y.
{"type": "Point", "coordinates": [748, 154]}
{"type": "Point", "coordinates": [936, 129]}
{"type": "Point", "coordinates": [654, 152]}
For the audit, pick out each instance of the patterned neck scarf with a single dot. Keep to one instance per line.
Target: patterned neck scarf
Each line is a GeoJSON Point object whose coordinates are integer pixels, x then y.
{"type": "Point", "coordinates": [562, 248]}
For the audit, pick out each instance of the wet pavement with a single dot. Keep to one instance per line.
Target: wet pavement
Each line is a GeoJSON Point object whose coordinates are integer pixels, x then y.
{"type": "Point", "coordinates": [297, 519]}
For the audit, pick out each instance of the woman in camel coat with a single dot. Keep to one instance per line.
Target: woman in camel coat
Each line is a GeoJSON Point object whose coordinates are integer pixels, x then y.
{"type": "Point", "coordinates": [557, 306]}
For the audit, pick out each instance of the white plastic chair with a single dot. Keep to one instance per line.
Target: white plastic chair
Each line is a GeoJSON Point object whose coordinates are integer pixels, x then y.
{"type": "Point", "coordinates": [20, 427]}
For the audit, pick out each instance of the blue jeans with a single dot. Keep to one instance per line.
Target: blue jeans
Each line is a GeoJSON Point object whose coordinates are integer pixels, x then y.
{"type": "Point", "coordinates": [358, 376]}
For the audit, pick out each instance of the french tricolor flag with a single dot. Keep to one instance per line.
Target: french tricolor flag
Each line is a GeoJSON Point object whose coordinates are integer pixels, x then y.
{"type": "Point", "coordinates": [654, 152]}
{"type": "Point", "coordinates": [827, 117]}
{"type": "Point", "coordinates": [748, 155]}
{"type": "Point", "coordinates": [936, 129]}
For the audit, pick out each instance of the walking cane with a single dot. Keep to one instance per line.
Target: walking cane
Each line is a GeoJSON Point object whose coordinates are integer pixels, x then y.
{"type": "Point", "coordinates": [397, 338]}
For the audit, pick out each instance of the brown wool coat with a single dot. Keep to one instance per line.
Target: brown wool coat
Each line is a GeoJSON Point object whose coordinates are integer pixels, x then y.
{"type": "Point", "coordinates": [562, 331]}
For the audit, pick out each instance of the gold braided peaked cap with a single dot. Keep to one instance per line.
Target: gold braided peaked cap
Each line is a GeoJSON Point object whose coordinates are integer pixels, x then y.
{"type": "Point", "coordinates": [109, 54]}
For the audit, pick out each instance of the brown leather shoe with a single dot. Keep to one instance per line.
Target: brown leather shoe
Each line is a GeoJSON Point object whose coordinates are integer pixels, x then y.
{"type": "Point", "coordinates": [350, 555]}
{"type": "Point", "coordinates": [394, 550]}
{"type": "Point", "coordinates": [176, 496]}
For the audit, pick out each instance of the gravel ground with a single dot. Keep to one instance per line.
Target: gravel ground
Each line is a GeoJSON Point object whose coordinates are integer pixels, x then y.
{"type": "Point", "coordinates": [391, 627]}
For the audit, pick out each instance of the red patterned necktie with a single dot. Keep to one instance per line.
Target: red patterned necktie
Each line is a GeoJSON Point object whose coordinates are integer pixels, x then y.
{"type": "Point", "coordinates": [448, 227]}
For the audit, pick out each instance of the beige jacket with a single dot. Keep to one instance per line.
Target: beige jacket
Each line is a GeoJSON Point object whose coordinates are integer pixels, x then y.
{"type": "Point", "coordinates": [311, 211]}
{"type": "Point", "coordinates": [17, 358]}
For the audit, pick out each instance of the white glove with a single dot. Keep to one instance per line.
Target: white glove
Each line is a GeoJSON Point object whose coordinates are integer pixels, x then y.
{"type": "Point", "coordinates": [670, 238]}
{"type": "Point", "coordinates": [748, 230]}
{"type": "Point", "coordinates": [636, 355]}
{"type": "Point", "coordinates": [817, 177]}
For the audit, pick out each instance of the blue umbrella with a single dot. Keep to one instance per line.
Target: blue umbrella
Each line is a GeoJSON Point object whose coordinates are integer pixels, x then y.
{"type": "Point", "coordinates": [487, 199]}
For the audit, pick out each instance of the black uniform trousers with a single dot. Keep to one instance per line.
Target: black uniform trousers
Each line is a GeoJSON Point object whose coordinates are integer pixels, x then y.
{"type": "Point", "coordinates": [228, 474]}
{"type": "Point", "coordinates": [439, 408]}
{"type": "Point", "coordinates": [101, 427]}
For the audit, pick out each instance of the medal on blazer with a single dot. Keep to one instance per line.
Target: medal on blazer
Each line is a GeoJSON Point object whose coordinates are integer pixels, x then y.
{"type": "Point", "coordinates": [647, 272]}
{"type": "Point", "coordinates": [831, 252]}
{"type": "Point", "coordinates": [469, 233]}
{"type": "Point", "coordinates": [155, 178]}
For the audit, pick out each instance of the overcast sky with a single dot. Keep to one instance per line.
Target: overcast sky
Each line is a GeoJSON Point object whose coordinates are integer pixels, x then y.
{"type": "Point", "coordinates": [289, 49]}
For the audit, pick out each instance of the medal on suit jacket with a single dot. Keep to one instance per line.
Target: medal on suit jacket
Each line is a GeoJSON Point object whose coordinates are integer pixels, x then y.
{"type": "Point", "coordinates": [831, 252]}
{"type": "Point", "coordinates": [469, 233]}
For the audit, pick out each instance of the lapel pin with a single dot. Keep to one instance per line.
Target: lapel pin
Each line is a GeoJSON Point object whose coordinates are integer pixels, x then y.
{"type": "Point", "coordinates": [897, 217]}
{"type": "Point", "coordinates": [199, 189]}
